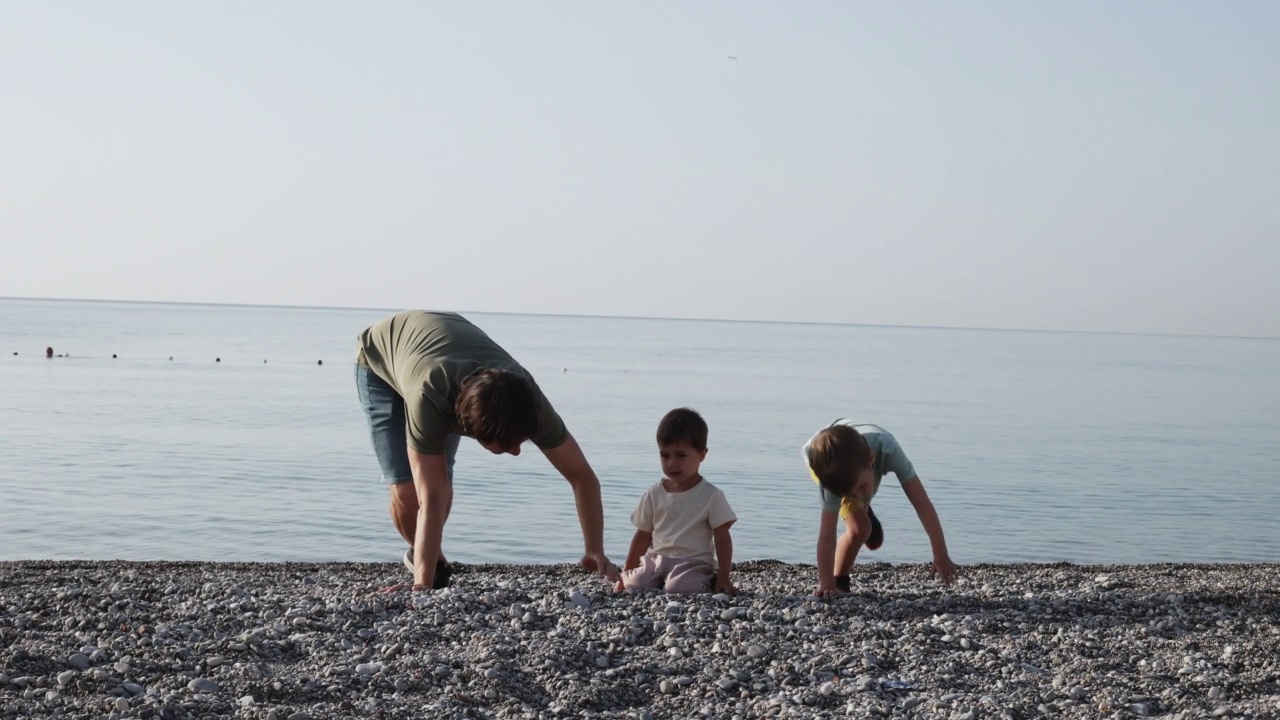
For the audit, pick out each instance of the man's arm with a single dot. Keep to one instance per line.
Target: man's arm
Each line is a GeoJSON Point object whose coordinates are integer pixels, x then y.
{"type": "Point", "coordinates": [568, 459]}
{"type": "Point", "coordinates": [942, 564]}
{"type": "Point", "coordinates": [724, 557]}
{"type": "Point", "coordinates": [827, 554]}
{"type": "Point", "coordinates": [435, 494]}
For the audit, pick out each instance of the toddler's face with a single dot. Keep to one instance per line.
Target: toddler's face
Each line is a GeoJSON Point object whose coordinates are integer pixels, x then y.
{"type": "Point", "coordinates": [680, 461]}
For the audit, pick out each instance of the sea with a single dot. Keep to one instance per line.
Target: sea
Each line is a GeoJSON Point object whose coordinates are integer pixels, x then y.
{"type": "Point", "coordinates": [233, 433]}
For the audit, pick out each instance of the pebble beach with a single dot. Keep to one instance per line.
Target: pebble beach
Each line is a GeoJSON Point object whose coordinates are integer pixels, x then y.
{"type": "Point", "coordinates": [286, 641]}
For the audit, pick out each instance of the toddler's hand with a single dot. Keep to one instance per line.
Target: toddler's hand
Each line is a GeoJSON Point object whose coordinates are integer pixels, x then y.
{"type": "Point", "coordinates": [725, 585]}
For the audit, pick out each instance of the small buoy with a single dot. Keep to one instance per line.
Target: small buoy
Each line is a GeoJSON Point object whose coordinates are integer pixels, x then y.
{"type": "Point", "coordinates": [113, 356]}
{"type": "Point", "coordinates": [319, 362]}
{"type": "Point", "coordinates": [15, 353]}
{"type": "Point", "coordinates": [566, 370]}
{"type": "Point", "coordinates": [217, 359]}
{"type": "Point", "coordinates": [48, 352]}
{"type": "Point", "coordinates": [170, 358]}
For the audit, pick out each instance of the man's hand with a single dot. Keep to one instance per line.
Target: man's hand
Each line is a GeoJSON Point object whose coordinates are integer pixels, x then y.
{"type": "Point", "coordinates": [944, 569]}
{"type": "Point", "coordinates": [599, 564]}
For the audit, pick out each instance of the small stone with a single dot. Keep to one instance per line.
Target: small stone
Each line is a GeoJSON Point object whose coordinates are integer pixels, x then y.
{"type": "Point", "coordinates": [965, 643]}
{"type": "Point", "coordinates": [246, 701]}
{"type": "Point", "coordinates": [577, 599]}
{"type": "Point", "coordinates": [204, 685]}
{"type": "Point", "coordinates": [214, 661]}
{"type": "Point", "coordinates": [827, 688]}
{"type": "Point", "coordinates": [79, 661]}
{"type": "Point", "coordinates": [122, 705]}
{"type": "Point", "coordinates": [490, 694]}
{"type": "Point", "coordinates": [911, 702]}
{"type": "Point", "coordinates": [684, 680]}
{"type": "Point", "coordinates": [132, 688]}
{"type": "Point", "coordinates": [675, 608]}
{"type": "Point", "coordinates": [666, 686]}
{"type": "Point", "coordinates": [492, 673]}
{"type": "Point", "coordinates": [65, 677]}
{"type": "Point", "coordinates": [756, 651]}
{"type": "Point", "coordinates": [729, 614]}
{"type": "Point", "coordinates": [675, 652]}
{"type": "Point", "coordinates": [725, 683]}
{"type": "Point", "coordinates": [299, 716]}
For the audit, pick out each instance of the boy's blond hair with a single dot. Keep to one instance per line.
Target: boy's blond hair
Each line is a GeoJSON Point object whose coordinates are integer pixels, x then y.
{"type": "Point", "coordinates": [836, 455]}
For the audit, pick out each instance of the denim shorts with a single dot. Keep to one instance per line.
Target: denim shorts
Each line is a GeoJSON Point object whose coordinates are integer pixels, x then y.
{"type": "Point", "coordinates": [384, 408]}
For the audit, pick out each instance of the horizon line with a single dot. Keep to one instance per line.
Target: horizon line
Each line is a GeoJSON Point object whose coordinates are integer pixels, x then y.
{"type": "Point", "coordinates": [650, 317]}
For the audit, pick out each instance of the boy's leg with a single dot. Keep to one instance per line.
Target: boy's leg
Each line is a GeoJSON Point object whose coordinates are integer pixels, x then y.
{"type": "Point", "coordinates": [649, 575]}
{"type": "Point", "coordinates": [689, 576]}
{"type": "Point", "coordinates": [857, 528]}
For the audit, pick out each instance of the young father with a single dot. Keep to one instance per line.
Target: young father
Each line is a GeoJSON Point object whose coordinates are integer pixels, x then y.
{"type": "Point", "coordinates": [427, 378]}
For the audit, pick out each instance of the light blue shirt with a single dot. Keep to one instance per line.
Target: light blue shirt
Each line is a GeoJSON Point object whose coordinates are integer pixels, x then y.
{"type": "Point", "coordinates": [887, 456]}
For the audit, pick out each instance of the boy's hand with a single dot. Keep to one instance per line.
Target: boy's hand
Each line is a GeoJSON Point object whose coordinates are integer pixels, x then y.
{"type": "Point", "coordinates": [725, 585]}
{"type": "Point", "coordinates": [944, 569]}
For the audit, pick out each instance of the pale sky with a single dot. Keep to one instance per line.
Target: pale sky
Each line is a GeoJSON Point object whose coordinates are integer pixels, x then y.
{"type": "Point", "coordinates": [1107, 166]}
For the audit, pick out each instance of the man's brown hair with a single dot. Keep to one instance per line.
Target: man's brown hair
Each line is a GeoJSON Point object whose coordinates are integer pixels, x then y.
{"type": "Point", "coordinates": [497, 406]}
{"type": "Point", "coordinates": [683, 425]}
{"type": "Point", "coordinates": [836, 455]}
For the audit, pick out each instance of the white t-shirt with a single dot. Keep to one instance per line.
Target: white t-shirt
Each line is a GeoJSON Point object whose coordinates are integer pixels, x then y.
{"type": "Point", "coordinates": [683, 523]}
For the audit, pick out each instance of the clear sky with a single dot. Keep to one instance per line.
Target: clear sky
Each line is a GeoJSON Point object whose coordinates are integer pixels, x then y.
{"type": "Point", "coordinates": [1069, 165]}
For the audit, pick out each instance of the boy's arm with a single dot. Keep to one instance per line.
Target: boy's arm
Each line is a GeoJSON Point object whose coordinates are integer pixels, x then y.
{"type": "Point", "coordinates": [640, 543]}
{"type": "Point", "coordinates": [568, 459]}
{"type": "Point", "coordinates": [942, 564]}
{"type": "Point", "coordinates": [724, 558]}
{"type": "Point", "coordinates": [827, 555]}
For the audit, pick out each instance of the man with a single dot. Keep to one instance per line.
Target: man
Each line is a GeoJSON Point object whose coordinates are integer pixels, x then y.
{"type": "Point", "coordinates": [427, 378]}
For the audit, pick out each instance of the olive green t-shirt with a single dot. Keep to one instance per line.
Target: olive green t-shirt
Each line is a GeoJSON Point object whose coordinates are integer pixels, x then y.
{"type": "Point", "coordinates": [425, 356]}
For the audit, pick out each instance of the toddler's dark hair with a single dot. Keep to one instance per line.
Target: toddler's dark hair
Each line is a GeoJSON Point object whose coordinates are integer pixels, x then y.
{"type": "Point", "coordinates": [683, 424]}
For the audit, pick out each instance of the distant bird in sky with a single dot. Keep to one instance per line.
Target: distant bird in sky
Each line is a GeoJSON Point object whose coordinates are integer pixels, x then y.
{"type": "Point", "coordinates": [733, 57]}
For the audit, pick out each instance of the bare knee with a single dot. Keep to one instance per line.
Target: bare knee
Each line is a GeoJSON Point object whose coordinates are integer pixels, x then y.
{"type": "Point", "coordinates": [404, 496]}
{"type": "Point", "coordinates": [857, 533]}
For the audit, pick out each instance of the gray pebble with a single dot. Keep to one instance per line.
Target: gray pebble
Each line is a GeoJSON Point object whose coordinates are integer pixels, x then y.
{"type": "Point", "coordinates": [204, 685]}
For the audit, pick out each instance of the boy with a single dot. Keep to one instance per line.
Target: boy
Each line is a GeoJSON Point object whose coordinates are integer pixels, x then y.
{"type": "Point", "coordinates": [679, 520]}
{"type": "Point", "coordinates": [847, 459]}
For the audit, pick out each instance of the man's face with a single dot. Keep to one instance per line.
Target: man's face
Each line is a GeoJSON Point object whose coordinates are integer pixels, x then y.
{"type": "Point", "coordinates": [498, 448]}
{"type": "Point", "coordinates": [680, 460]}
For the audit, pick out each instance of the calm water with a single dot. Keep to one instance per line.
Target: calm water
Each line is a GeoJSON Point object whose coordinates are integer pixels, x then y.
{"type": "Point", "coordinates": [1034, 446]}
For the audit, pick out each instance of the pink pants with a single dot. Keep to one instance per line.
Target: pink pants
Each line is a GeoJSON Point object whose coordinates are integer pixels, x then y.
{"type": "Point", "coordinates": [672, 574]}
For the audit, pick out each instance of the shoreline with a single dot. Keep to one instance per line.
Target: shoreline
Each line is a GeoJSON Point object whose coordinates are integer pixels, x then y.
{"type": "Point", "coordinates": [276, 641]}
